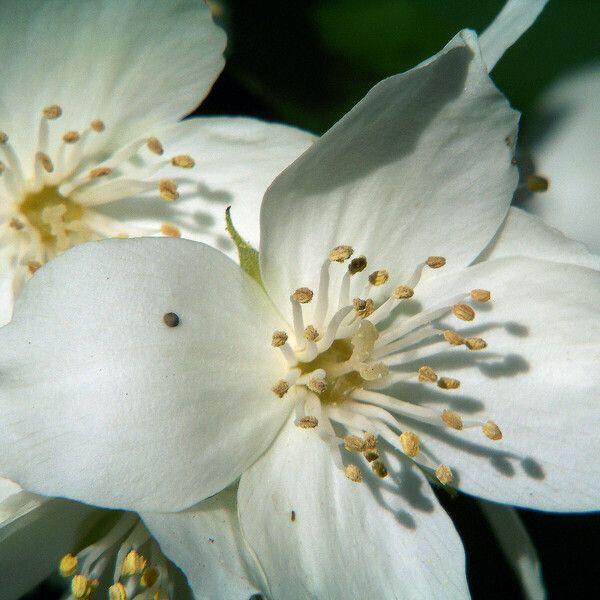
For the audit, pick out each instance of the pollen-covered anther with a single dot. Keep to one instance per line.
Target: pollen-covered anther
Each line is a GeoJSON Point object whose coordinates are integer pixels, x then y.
{"type": "Point", "coordinates": [82, 587]}
{"type": "Point", "coordinates": [379, 469]}
{"type": "Point", "coordinates": [33, 266]}
{"type": "Point", "coordinates": [448, 383]}
{"type": "Point", "coordinates": [453, 338]}
{"type": "Point", "coordinates": [168, 189]}
{"type": "Point", "coordinates": [427, 374]}
{"type": "Point", "coordinates": [353, 443]}
{"type": "Point", "coordinates": [410, 443]}
{"type": "Point", "coordinates": [464, 312]}
{"type": "Point", "coordinates": [70, 137]}
{"type": "Point", "coordinates": [279, 338]}
{"type": "Point", "coordinates": [352, 472]}
{"type": "Point", "coordinates": [370, 440]}
{"type": "Point", "coordinates": [371, 454]}
{"type": "Point", "coordinates": [341, 253]}
{"type": "Point", "coordinates": [310, 333]}
{"type": "Point", "coordinates": [435, 262]}
{"type": "Point", "coordinates": [303, 295]}
{"type": "Point", "coordinates": [363, 308]}
{"type": "Point", "coordinates": [100, 172]}
{"type": "Point", "coordinates": [308, 422]}
{"type": "Point", "coordinates": [45, 161]}
{"type": "Point", "coordinates": [537, 183]}
{"type": "Point", "coordinates": [97, 125]}
{"type": "Point", "coordinates": [154, 145]}
{"type": "Point", "coordinates": [16, 224]}
{"type": "Point", "coordinates": [481, 295]}
{"type": "Point", "coordinates": [53, 111]}
{"type": "Point", "coordinates": [318, 386]}
{"type": "Point", "coordinates": [170, 230]}
{"type": "Point", "coordinates": [183, 161]}
{"type": "Point", "coordinates": [357, 265]}
{"type": "Point", "coordinates": [444, 474]}
{"type": "Point", "coordinates": [492, 431]}
{"type": "Point", "coordinates": [452, 419]}
{"type": "Point", "coordinates": [403, 292]}
{"type": "Point", "coordinates": [378, 277]}
{"type": "Point", "coordinates": [281, 388]}
{"type": "Point", "coordinates": [149, 578]}
{"type": "Point", "coordinates": [475, 343]}
{"type": "Point", "coordinates": [68, 565]}
{"type": "Point", "coordinates": [133, 564]}
{"type": "Point", "coordinates": [117, 591]}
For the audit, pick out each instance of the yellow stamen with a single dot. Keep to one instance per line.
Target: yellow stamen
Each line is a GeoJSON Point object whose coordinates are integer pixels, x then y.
{"type": "Point", "coordinates": [464, 312]}
{"type": "Point", "coordinates": [341, 253]}
{"type": "Point", "coordinates": [357, 265]}
{"type": "Point", "coordinates": [444, 474]}
{"type": "Point", "coordinates": [100, 172]}
{"type": "Point", "coordinates": [52, 112]}
{"type": "Point", "coordinates": [453, 338]}
{"type": "Point", "coordinates": [370, 441]}
{"type": "Point", "coordinates": [303, 295]}
{"type": "Point", "coordinates": [410, 443]}
{"type": "Point", "coordinates": [435, 262]}
{"type": "Point", "coordinates": [3, 137]}
{"type": "Point", "coordinates": [318, 386]}
{"type": "Point", "coordinates": [33, 266]}
{"type": "Point", "coordinates": [170, 230]}
{"type": "Point", "coordinates": [379, 469]}
{"type": "Point", "coordinates": [117, 591]}
{"type": "Point", "coordinates": [149, 578]}
{"type": "Point", "coordinates": [183, 161]}
{"type": "Point", "coordinates": [68, 565]}
{"type": "Point", "coordinates": [70, 137]}
{"type": "Point", "coordinates": [492, 431]}
{"type": "Point", "coordinates": [308, 422]}
{"type": "Point", "coordinates": [310, 333]}
{"type": "Point", "coordinates": [45, 161]}
{"type": "Point", "coordinates": [452, 419]}
{"type": "Point", "coordinates": [16, 224]}
{"type": "Point", "coordinates": [363, 308]}
{"type": "Point", "coordinates": [371, 455]}
{"type": "Point", "coordinates": [537, 183]}
{"type": "Point", "coordinates": [97, 125]}
{"type": "Point", "coordinates": [154, 145]}
{"type": "Point", "coordinates": [353, 443]}
{"type": "Point", "coordinates": [403, 292]}
{"type": "Point", "coordinates": [475, 343]}
{"type": "Point", "coordinates": [480, 295]}
{"type": "Point", "coordinates": [133, 564]}
{"type": "Point", "coordinates": [353, 473]}
{"type": "Point", "coordinates": [168, 189]}
{"type": "Point", "coordinates": [427, 374]}
{"type": "Point", "coordinates": [448, 383]}
{"type": "Point", "coordinates": [281, 388]}
{"type": "Point", "coordinates": [279, 338]}
{"type": "Point", "coordinates": [378, 277]}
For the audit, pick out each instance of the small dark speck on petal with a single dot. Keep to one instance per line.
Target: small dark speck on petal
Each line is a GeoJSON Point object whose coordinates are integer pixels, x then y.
{"type": "Point", "coordinates": [211, 540]}
{"type": "Point", "coordinates": [171, 319]}
{"type": "Point", "coordinates": [293, 516]}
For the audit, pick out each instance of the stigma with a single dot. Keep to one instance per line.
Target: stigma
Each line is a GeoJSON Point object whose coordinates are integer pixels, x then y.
{"type": "Point", "coordinates": [52, 198]}
{"type": "Point", "coordinates": [343, 356]}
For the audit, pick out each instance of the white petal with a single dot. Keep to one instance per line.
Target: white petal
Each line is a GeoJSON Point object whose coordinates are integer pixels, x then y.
{"type": "Point", "coordinates": [523, 234]}
{"type": "Point", "coordinates": [236, 160]}
{"type": "Point", "coordinates": [517, 547]}
{"type": "Point", "coordinates": [35, 537]}
{"type": "Point", "coordinates": [319, 535]}
{"type": "Point", "coordinates": [205, 542]}
{"type": "Point", "coordinates": [6, 298]}
{"type": "Point", "coordinates": [132, 64]}
{"type": "Point", "coordinates": [419, 167]}
{"type": "Point", "coordinates": [103, 402]}
{"type": "Point", "coordinates": [515, 18]}
{"type": "Point", "coordinates": [7, 488]}
{"type": "Point", "coordinates": [568, 155]}
{"type": "Point", "coordinates": [537, 380]}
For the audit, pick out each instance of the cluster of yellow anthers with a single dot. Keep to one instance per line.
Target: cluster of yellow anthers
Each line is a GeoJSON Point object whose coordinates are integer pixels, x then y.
{"type": "Point", "coordinates": [347, 365]}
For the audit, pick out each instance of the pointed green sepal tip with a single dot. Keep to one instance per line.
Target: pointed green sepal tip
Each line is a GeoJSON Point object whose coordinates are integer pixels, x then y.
{"type": "Point", "coordinates": [248, 255]}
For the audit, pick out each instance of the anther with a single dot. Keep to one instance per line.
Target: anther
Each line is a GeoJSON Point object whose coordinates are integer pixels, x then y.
{"type": "Point", "coordinates": [341, 253]}
{"type": "Point", "coordinates": [353, 443]}
{"type": "Point", "coordinates": [3, 137]}
{"type": "Point", "coordinates": [281, 388]}
{"type": "Point", "coordinates": [464, 312]}
{"type": "Point", "coordinates": [378, 277]}
{"type": "Point", "coordinates": [70, 137]}
{"type": "Point", "coordinates": [371, 454]}
{"type": "Point", "coordinates": [183, 161]}
{"type": "Point", "coordinates": [379, 469]}
{"type": "Point", "coordinates": [352, 472]}
{"type": "Point", "coordinates": [154, 145]}
{"type": "Point", "coordinates": [452, 419]}
{"type": "Point", "coordinates": [82, 587]}
{"type": "Point", "coordinates": [448, 383]}
{"type": "Point", "coordinates": [308, 422]}
{"type": "Point", "coordinates": [410, 443]}
{"type": "Point", "coordinates": [537, 183]}
{"type": "Point", "coordinates": [68, 565]}
{"type": "Point", "coordinates": [492, 431]}
{"type": "Point", "coordinates": [171, 319]}
{"type": "Point", "coordinates": [117, 591]}
{"type": "Point", "coordinates": [170, 230]}
{"type": "Point", "coordinates": [427, 374]}
{"type": "Point", "coordinates": [303, 295]}
{"type": "Point", "coordinates": [475, 343]}
{"type": "Point", "coordinates": [16, 224]}
{"type": "Point", "coordinates": [318, 386]}
{"type": "Point", "coordinates": [33, 266]}
{"type": "Point", "coordinates": [435, 262]}
{"type": "Point", "coordinates": [370, 440]}
{"type": "Point", "coordinates": [357, 265]}
{"type": "Point", "coordinates": [45, 161]}
{"type": "Point", "coordinates": [453, 338]}
{"type": "Point", "coordinates": [52, 112]}
{"type": "Point", "coordinates": [279, 338]}
{"type": "Point", "coordinates": [444, 474]}
{"type": "Point", "coordinates": [310, 333]}
{"type": "Point", "coordinates": [403, 292]}
{"type": "Point", "coordinates": [168, 189]}
{"type": "Point", "coordinates": [100, 172]}
{"type": "Point", "coordinates": [133, 564]}
{"type": "Point", "coordinates": [363, 308]}
{"type": "Point", "coordinates": [97, 125]}
{"type": "Point", "coordinates": [481, 295]}
{"type": "Point", "coordinates": [149, 578]}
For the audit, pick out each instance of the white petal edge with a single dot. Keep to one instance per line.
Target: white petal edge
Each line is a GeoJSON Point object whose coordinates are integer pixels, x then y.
{"type": "Point", "coordinates": [205, 542]}
{"type": "Point", "coordinates": [515, 18]}
{"type": "Point", "coordinates": [319, 535]}
{"type": "Point", "coordinates": [421, 166]}
{"type": "Point", "coordinates": [102, 402]}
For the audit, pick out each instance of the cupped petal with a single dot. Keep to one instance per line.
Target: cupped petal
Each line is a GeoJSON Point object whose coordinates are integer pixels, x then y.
{"type": "Point", "coordinates": [523, 234]}
{"type": "Point", "coordinates": [205, 542]}
{"type": "Point", "coordinates": [134, 64]}
{"type": "Point", "coordinates": [515, 18]}
{"type": "Point", "coordinates": [421, 166]}
{"type": "Point", "coordinates": [236, 160]}
{"type": "Point", "coordinates": [319, 535]}
{"type": "Point", "coordinates": [567, 155]}
{"type": "Point", "coordinates": [537, 380]}
{"type": "Point", "coordinates": [103, 400]}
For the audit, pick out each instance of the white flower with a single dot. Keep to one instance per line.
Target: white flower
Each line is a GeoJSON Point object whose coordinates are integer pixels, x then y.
{"type": "Point", "coordinates": [172, 373]}
{"type": "Point", "coordinates": [567, 154]}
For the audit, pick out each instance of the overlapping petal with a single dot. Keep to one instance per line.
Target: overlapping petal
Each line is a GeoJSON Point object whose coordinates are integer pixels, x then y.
{"type": "Point", "coordinates": [421, 166]}
{"type": "Point", "coordinates": [319, 535]}
{"type": "Point", "coordinates": [103, 402]}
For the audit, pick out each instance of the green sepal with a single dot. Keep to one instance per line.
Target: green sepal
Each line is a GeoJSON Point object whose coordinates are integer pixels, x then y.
{"type": "Point", "coordinates": [248, 255]}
